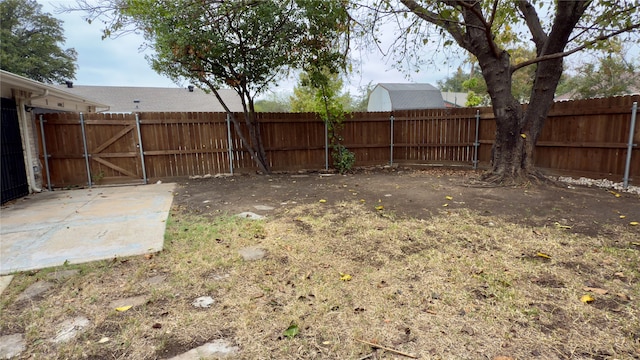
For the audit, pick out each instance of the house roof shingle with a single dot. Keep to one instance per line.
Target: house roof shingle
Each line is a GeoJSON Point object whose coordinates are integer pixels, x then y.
{"type": "Point", "coordinates": [126, 99]}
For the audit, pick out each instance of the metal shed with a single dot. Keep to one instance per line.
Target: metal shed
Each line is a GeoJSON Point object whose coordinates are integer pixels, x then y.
{"type": "Point", "coordinates": [390, 97]}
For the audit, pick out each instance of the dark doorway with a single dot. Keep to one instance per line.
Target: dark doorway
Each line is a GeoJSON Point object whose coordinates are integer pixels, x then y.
{"type": "Point", "coordinates": [14, 175]}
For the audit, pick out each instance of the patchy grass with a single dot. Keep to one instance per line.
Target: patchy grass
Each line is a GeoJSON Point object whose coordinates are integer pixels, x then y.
{"type": "Point", "coordinates": [459, 285]}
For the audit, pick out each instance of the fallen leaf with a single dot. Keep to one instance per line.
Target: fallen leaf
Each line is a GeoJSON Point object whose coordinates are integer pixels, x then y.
{"type": "Point", "coordinates": [445, 205]}
{"type": "Point", "coordinates": [587, 299]}
{"type": "Point", "coordinates": [524, 136]}
{"type": "Point", "coordinates": [543, 255]}
{"type": "Point", "coordinates": [103, 340]}
{"type": "Point", "coordinates": [595, 290]}
{"type": "Point", "coordinates": [323, 201]}
{"type": "Point", "coordinates": [619, 274]}
{"type": "Point", "coordinates": [124, 308]}
{"type": "Point", "coordinates": [148, 256]}
{"type": "Point", "coordinates": [615, 193]}
{"type": "Point", "coordinates": [624, 297]}
{"type": "Point", "coordinates": [291, 331]}
{"type": "Point", "coordinates": [560, 226]}
{"type": "Point", "coordinates": [345, 277]}
{"type": "Point", "coordinates": [449, 197]}
{"type": "Point", "coordinates": [379, 207]}
{"type": "Point", "coordinates": [634, 223]}
{"type": "Point", "coordinates": [622, 216]}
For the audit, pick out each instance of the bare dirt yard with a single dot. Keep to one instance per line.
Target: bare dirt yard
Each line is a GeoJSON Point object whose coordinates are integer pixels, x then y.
{"type": "Point", "coordinates": [419, 194]}
{"type": "Point", "coordinates": [392, 263]}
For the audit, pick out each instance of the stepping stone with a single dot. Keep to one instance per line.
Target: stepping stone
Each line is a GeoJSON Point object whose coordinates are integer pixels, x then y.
{"type": "Point", "coordinates": [132, 301]}
{"type": "Point", "coordinates": [251, 216]}
{"type": "Point", "coordinates": [34, 290]}
{"type": "Point", "coordinates": [216, 349]}
{"type": "Point", "coordinates": [69, 329]}
{"type": "Point", "coordinates": [63, 274]}
{"type": "Point", "coordinates": [263, 207]}
{"type": "Point", "coordinates": [252, 253]}
{"type": "Point", "coordinates": [156, 280]}
{"type": "Point", "coordinates": [12, 345]}
{"type": "Point", "coordinates": [203, 302]}
{"type": "Point", "coordinates": [219, 277]}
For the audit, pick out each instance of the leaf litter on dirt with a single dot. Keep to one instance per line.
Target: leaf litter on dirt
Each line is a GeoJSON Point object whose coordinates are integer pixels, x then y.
{"type": "Point", "coordinates": [445, 287]}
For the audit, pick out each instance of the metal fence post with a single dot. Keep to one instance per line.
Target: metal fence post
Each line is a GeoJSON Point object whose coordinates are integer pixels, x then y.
{"type": "Point", "coordinates": [144, 166]}
{"type": "Point", "coordinates": [630, 145]}
{"type": "Point", "coordinates": [86, 151]}
{"type": "Point", "coordinates": [326, 145]}
{"type": "Point", "coordinates": [391, 119]}
{"type": "Point", "coordinates": [45, 156]}
{"type": "Point", "coordinates": [230, 144]}
{"type": "Point", "coordinates": [476, 143]}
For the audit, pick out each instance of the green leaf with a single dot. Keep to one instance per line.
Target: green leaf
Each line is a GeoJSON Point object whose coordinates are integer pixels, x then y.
{"type": "Point", "coordinates": [291, 331]}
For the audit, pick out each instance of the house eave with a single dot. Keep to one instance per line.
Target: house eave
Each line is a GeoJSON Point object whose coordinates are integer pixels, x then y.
{"type": "Point", "coordinates": [39, 95]}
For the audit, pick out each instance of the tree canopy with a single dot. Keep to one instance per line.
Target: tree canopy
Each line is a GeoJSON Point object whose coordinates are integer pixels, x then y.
{"type": "Point", "coordinates": [30, 43]}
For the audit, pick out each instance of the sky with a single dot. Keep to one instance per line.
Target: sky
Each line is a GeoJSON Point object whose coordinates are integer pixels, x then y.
{"type": "Point", "coordinates": [121, 61]}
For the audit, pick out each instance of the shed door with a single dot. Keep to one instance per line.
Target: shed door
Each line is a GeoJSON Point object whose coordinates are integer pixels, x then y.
{"type": "Point", "coordinates": [14, 174]}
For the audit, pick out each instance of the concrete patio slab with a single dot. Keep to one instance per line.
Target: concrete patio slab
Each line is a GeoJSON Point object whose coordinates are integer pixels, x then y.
{"type": "Point", "coordinates": [49, 228]}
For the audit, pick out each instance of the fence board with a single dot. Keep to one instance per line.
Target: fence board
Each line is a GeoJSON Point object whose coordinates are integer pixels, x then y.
{"type": "Point", "coordinates": [579, 137]}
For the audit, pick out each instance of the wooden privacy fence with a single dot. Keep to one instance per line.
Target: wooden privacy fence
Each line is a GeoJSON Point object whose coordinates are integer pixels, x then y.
{"type": "Point", "coordinates": [587, 137]}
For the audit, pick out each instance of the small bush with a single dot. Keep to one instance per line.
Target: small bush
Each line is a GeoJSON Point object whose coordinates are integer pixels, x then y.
{"type": "Point", "coordinates": [343, 159]}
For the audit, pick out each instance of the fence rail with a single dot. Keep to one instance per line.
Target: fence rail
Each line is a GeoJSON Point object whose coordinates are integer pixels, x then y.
{"type": "Point", "coordinates": [586, 137]}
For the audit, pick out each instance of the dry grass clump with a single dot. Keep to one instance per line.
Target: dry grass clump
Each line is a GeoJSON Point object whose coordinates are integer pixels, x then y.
{"type": "Point", "coordinates": [459, 285]}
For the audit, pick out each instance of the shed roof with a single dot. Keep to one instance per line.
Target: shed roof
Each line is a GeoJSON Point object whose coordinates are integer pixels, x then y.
{"type": "Point", "coordinates": [40, 95]}
{"type": "Point", "coordinates": [413, 96]}
{"type": "Point", "coordinates": [126, 99]}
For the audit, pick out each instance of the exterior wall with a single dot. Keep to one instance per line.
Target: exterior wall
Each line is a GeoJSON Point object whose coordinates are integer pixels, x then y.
{"type": "Point", "coordinates": [30, 147]}
{"type": "Point", "coordinates": [379, 100]}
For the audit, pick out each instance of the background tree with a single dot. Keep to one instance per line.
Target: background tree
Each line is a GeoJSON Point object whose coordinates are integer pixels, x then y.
{"type": "Point", "coordinates": [611, 74]}
{"type": "Point", "coordinates": [475, 26]}
{"type": "Point", "coordinates": [360, 101]}
{"type": "Point", "coordinates": [30, 43]}
{"type": "Point", "coordinates": [274, 102]}
{"type": "Point", "coordinates": [244, 45]}
{"type": "Point", "coordinates": [306, 98]}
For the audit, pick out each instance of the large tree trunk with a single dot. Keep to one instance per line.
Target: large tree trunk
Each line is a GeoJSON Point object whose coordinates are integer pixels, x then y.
{"type": "Point", "coordinates": [518, 129]}
{"type": "Point", "coordinates": [511, 157]}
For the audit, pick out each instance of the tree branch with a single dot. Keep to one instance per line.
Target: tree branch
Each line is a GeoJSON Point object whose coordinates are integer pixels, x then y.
{"type": "Point", "coordinates": [474, 7]}
{"type": "Point", "coordinates": [493, 13]}
{"type": "Point", "coordinates": [455, 30]}
{"type": "Point", "coordinates": [533, 22]}
{"type": "Point", "coordinates": [575, 50]}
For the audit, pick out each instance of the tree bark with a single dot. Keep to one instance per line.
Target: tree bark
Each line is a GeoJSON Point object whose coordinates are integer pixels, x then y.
{"type": "Point", "coordinates": [253, 144]}
{"type": "Point", "coordinates": [518, 130]}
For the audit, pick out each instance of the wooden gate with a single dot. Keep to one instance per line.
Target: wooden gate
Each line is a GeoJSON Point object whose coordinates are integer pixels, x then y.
{"type": "Point", "coordinates": [101, 150]}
